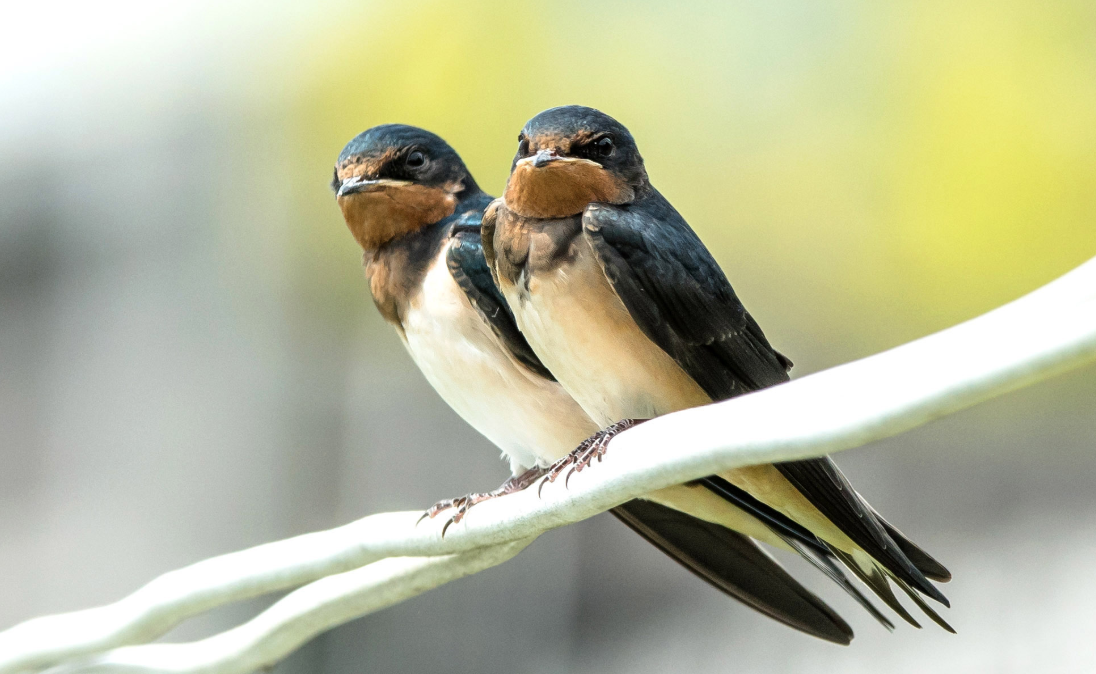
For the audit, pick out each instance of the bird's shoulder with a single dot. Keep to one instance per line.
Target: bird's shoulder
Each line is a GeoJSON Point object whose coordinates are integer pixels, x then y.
{"type": "Point", "coordinates": [468, 265]}
{"type": "Point", "coordinates": [680, 297]}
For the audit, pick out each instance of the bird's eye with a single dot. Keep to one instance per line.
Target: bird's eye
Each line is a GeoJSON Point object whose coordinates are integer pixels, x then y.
{"type": "Point", "coordinates": [416, 159]}
{"type": "Point", "coordinates": [604, 147]}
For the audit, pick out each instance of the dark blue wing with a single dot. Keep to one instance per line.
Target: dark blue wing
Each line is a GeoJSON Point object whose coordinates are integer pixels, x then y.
{"type": "Point", "coordinates": [470, 271]}
{"type": "Point", "coordinates": [678, 295]}
{"type": "Point", "coordinates": [680, 298]}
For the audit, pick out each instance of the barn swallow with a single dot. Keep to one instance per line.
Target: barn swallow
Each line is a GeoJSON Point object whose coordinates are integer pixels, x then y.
{"type": "Point", "coordinates": [623, 303]}
{"type": "Point", "coordinates": [415, 210]}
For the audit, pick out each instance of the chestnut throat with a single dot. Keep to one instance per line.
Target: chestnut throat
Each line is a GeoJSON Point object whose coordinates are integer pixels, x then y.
{"type": "Point", "coordinates": [562, 188]}
{"type": "Point", "coordinates": [393, 211]}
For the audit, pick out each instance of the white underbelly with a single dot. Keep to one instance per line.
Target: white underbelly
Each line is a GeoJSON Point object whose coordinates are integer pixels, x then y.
{"type": "Point", "coordinates": [586, 337]}
{"type": "Point", "coordinates": [531, 419]}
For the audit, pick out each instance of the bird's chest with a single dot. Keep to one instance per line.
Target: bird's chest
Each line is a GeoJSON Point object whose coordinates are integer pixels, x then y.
{"type": "Point", "coordinates": [531, 248]}
{"type": "Point", "coordinates": [447, 338]}
{"type": "Point", "coordinates": [530, 418]}
{"type": "Point", "coordinates": [583, 333]}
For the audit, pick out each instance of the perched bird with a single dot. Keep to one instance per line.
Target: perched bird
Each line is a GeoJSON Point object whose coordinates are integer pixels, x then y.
{"type": "Point", "coordinates": [622, 302]}
{"type": "Point", "coordinates": [415, 210]}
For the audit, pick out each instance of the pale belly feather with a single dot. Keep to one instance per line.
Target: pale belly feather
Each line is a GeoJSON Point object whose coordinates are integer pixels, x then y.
{"type": "Point", "coordinates": [532, 420]}
{"type": "Point", "coordinates": [585, 336]}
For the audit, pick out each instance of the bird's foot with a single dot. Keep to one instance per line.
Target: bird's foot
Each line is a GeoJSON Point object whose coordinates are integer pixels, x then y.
{"type": "Point", "coordinates": [463, 503]}
{"type": "Point", "coordinates": [593, 447]}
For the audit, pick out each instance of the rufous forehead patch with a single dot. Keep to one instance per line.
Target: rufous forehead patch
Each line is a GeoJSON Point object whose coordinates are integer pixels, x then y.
{"type": "Point", "coordinates": [359, 165]}
{"type": "Point", "coordinates": [553, 140]}
{"type": "Point", "coordinates": [550, 141]}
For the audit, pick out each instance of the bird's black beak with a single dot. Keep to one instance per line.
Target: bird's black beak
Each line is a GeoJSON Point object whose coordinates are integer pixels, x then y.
{"type": "Point", "coordinates": [543, 157]}
{"type": "Point", "coordinates": [356, 184]}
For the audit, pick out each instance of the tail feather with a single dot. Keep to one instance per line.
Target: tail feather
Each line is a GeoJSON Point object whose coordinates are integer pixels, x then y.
{"type": "Point", "coordinates": [796, 536]}
{"type": "Point", "coordinates": [832, 571]}
{"type": "Point", "coordinates": [923, 605]}
{"type": "Point", "coordinates": [823, 484]}
{"type": "Point", "coordinates": [877, 581]}
{"type": "Point", "coordinates": [777, 522]}
{"type": "Point", "coordinates": [921, 559]}
{"type": "Point", "coordinates": [733, 563]}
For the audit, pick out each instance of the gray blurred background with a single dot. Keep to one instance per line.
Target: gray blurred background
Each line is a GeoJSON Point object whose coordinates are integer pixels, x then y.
{"type": "Point", "coordinates": [190, 362]}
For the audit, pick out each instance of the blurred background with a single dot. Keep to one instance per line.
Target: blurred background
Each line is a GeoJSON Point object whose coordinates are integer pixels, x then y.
{"type": "Point", "coordinates": [190, 362]}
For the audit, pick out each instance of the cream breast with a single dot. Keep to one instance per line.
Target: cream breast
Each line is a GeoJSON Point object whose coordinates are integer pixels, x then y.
{"type": "Point", "coordinates": [583, 333]}
{"type": "Point", "coordinates": [530, 418]}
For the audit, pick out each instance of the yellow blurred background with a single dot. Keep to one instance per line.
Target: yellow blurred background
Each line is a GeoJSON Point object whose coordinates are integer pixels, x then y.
{"type": "Point", "coordinates": [190, 362]}
{"type": "Point", "coordinates": [927, 161]}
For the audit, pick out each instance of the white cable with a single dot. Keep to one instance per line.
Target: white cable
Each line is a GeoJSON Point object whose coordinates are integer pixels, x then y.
{"type": "Point", "coordinates": [298, 617]}
{"type": "Point", "coordinates": [1042, 334]}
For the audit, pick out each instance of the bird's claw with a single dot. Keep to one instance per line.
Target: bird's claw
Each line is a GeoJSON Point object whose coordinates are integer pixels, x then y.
{"type": "Point", "coordinates": [441, 506]}
{"type": "Point", "coordinates": [593, 447]}
{"type": "Point", "coordinates": [464, 503]}
{"type": "Point", "coordinates": [461, 503]}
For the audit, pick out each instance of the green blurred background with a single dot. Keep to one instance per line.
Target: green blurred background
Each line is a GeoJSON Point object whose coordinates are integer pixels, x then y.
{"type": "Point", "coordinates": [190, 362]}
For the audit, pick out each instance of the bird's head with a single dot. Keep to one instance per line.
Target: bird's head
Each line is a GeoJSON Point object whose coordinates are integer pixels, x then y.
{"type": "Point", "coordinates": [569, 157]}
{"type": "Point", "coordinates": [394, 179]}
